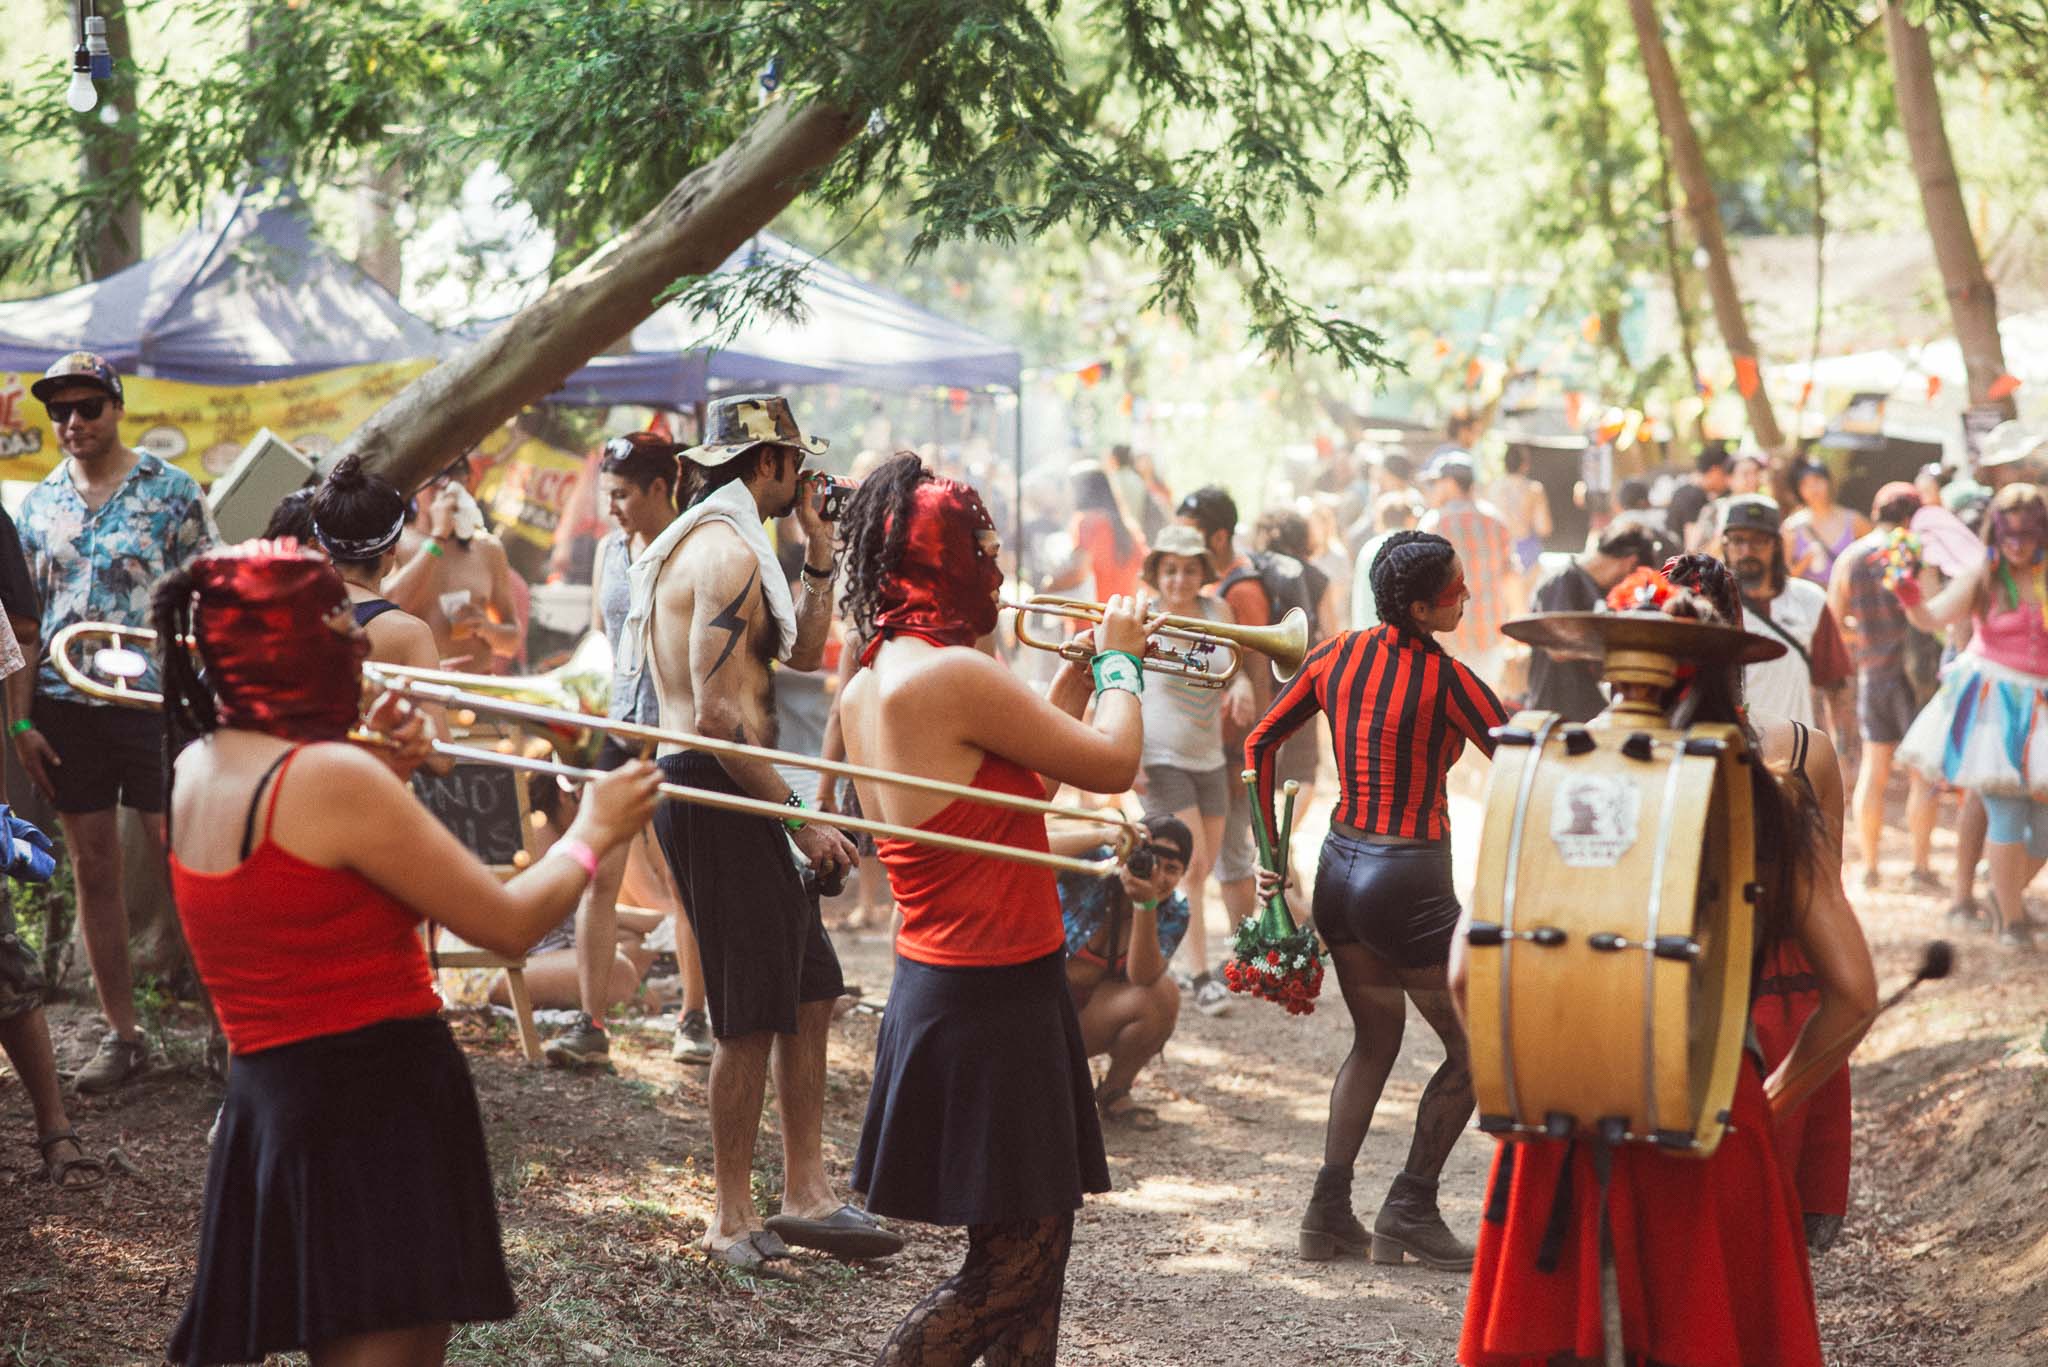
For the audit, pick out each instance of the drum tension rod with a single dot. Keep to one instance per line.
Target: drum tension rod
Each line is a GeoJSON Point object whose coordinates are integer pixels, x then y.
{"type": "Point", "coordinates": [1681, 947]}
{"type": "Point", "coordinates": [1512, 735]}
{"type": "Point", "coordinates": [1488, 935]}
{"type": "Point", "coordinates": [1578, 740]}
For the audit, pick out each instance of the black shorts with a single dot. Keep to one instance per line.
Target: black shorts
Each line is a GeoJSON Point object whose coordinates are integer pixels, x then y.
{"type": "Point", "coordinates": [759, 935]}
{"type": "Point", "coordinates": [1396, 900]}
{"type": "Point", "coordinates": [112, 756]}
{"type": "Point", "coordinates": [1885, 705]}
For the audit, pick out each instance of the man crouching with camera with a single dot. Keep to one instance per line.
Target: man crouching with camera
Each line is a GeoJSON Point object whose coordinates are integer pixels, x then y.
{"type": "Point", "coordinates": [1121, 930]}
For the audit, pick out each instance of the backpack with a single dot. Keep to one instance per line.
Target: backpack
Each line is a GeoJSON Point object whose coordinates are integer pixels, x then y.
{"type": "Point", "coordinates": [1286, 582]}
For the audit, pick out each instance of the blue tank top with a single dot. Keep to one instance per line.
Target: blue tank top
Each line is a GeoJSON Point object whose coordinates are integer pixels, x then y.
{"type": "Point", "coordinates": [613, 604]}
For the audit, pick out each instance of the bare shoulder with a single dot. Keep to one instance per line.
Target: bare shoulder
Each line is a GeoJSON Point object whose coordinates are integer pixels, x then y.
{"type": "Point", "coordinates": [403, 638]}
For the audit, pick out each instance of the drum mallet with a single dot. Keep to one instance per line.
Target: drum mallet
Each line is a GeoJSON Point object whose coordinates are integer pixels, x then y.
{"type": "Point", "coordinates": [1935, 962]}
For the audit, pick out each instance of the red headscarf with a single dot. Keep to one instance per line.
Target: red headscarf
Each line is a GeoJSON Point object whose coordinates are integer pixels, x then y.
{"type": "Point", "coordinates": [945, 586]}
{"type": "Point", "coordinates": [272, 625]}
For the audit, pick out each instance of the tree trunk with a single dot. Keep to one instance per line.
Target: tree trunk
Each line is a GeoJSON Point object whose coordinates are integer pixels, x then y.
{"type": "Point", "coordinates": [699, 223]}
{"type": "Point", "coordinates": [1972, 305]}
{"type": "Point", "coordinates": [118, 243]}
{"type": "Point", "coordinates": [377, 246]}
{"type": "Point", "coordinates": [1705, 212]}
{"type": "Point", "coordinates": [1674, 268]}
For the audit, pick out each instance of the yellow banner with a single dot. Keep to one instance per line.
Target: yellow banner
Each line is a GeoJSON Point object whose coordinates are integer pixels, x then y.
{"type": "Point", "coordinates": [202, 428]}
{"type": "Point", "coordinates": [525, 483]}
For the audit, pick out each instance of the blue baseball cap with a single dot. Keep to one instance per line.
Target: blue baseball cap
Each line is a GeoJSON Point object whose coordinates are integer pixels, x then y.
{"type": "Point", "coordinates": [80, 367]}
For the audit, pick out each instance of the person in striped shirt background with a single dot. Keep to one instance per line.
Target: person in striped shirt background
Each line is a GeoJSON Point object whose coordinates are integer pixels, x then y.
{"type": "Point", "coordinates": [1401, 713]}
{"type": "Point", "coordinates": [1486, 549]}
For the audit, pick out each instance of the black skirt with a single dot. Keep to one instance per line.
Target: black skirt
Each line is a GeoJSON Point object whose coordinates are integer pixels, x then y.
{"type": "Point", "coordinates": [981, 1110]}
{"type": "Point", "coordinates": [348, 1192]}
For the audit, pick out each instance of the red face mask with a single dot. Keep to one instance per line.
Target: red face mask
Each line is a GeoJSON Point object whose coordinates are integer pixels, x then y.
{"type": "Point", "coordinates": [1450, 595]}
{"type": "Point", "coordinates": [944, 588]}
{"type": "Point", "coordinates": [272, 624]}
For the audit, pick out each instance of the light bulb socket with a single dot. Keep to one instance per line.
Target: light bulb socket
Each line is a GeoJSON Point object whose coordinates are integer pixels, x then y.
{"type": "Point", "coordinates": [81, 60]}
{"type": "Point", "coordinates": [96, 47]}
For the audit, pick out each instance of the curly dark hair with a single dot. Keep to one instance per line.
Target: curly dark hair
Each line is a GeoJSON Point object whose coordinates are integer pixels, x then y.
{"type": "Point", "coordinates": [189, 708]}
{"type": "Point", "coordinates": [1787, 815]}
{"type": "Point", "coordinates": [1411, 568]}
{"type": "Point", "coordinates": [871, 536]}
{"type": "Point", "coordinates": [293, 517]}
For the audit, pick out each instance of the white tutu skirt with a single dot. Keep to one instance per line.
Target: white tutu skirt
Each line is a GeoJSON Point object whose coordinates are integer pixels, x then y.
{"type": "Point", "coordinates": [1986, 729]}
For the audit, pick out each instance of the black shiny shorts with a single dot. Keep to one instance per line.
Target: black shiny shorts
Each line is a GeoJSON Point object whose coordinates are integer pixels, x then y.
{"type": "Point", "coordinates": [1396, 900]}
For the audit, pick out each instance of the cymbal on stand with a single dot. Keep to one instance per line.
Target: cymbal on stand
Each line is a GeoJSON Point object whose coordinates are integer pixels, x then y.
{"type": "Point", "coordinates": [1591, 635]}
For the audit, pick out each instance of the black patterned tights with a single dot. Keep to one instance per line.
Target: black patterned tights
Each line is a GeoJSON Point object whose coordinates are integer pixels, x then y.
{"type": "Point", "coordinates": [1002, 1307]}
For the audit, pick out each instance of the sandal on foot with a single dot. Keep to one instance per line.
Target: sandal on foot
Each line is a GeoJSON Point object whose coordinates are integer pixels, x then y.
{"type": "Point", "coordinates": [754, 1254]}
{"type": "Point", "coordinates": [847, 1232]}
{"type": "Point", "coordinates": [1136, 1117]}
{"type": "Point", "coordinates": [56, 1171]}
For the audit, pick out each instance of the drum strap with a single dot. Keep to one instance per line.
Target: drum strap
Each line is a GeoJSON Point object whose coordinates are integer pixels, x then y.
{"type": "Point", "coordinates": [1503, 1183]}
{"type": "Point", "coordinates": [1552, 1248]}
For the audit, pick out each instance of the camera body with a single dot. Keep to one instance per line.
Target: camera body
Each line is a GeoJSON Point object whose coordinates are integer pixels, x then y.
{"type": "Point", "coordinates": [834, 492]}
{"type": "Point", "coordinates": [1143, 863]}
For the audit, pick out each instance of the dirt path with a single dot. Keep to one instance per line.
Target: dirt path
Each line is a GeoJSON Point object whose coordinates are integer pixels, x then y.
{"type": "Point", "coordinates": [604, 1183]}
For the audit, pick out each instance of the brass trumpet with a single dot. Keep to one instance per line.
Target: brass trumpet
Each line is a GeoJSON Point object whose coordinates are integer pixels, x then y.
{"type": "Point", "coordinates": [120, 661]}
{"type": "Point", "coordinates": [1181, 647]}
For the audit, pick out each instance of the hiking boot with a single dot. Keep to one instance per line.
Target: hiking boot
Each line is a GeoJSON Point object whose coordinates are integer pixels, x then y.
{"type": "Point", "coordinates": [586, 1045]}
{"type": "Point", "coordinates": [1328, 1227]}
{"type": "Point", "coordinates": [1409, 1223]}
{"type": "Point", "coordinates": [1211, 997]}
{"type": "Point", "coordinates": [115, 1062]}
{"type": "Point", "coordinates": [693, 1039]}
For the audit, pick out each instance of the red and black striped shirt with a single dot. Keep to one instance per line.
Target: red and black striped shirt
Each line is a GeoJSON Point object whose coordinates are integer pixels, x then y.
{"type": "Point", "coordinates": [1400, 711]}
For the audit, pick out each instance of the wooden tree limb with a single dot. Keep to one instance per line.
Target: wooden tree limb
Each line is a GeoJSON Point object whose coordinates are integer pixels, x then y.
{"type": "Point", "coordinates": [697, 225]}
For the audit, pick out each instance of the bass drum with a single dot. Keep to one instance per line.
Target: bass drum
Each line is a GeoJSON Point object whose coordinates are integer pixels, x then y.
{"type": "Point", "coordinates": [1609, 956]}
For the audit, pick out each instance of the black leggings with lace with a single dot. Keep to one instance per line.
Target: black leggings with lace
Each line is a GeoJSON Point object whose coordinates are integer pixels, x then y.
{"type": "Point", "coordinates": [1002, 1307]}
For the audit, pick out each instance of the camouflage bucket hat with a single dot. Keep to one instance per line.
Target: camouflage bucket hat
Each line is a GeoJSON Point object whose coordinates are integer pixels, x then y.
{"type": "Point", "coordinates": [741, 422]}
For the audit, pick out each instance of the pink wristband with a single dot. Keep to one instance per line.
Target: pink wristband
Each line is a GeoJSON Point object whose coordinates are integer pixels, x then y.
{"type": "Point", "coordinates": [577, 853]}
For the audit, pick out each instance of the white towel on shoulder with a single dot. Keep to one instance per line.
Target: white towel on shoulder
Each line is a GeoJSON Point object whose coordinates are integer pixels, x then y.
{"type": "Point", "coordinates": [731, 504]}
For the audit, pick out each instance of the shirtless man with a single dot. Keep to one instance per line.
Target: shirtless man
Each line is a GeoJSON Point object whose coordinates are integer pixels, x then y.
{"type": "Point", "coordinates": [710, 611]}
{"type": "Point", "coordinates": [445, 552]}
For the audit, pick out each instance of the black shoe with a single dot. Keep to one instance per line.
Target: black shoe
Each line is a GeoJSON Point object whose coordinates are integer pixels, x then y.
{"type": "Point", "coordinates": [1328, 1227]}
{"type": "Point", "coordinates": [1410, 1225]}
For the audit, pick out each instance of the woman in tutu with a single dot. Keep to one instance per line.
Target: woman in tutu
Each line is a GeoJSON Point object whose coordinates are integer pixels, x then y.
{"type": "Point", "coordinates": [1980, 731]}
{"type": "Point", "coordinates": [348, 1207]}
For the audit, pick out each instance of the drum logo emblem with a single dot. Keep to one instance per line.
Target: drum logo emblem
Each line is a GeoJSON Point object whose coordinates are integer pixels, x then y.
{"type": "Point", "coordinates": [1593, 819]}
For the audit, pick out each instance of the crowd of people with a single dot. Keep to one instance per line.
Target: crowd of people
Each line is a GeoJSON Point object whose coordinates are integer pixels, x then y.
{"type": "Point", "coordinates": [295, 853]}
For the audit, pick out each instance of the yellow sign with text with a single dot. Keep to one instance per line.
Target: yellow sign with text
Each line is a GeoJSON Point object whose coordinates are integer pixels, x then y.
{"type": "Point", "coordinates": [202, 428]}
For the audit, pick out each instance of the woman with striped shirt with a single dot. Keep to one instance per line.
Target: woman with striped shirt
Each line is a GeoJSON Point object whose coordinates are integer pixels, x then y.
{"type": "Point", "coordinates": [1401, 711]}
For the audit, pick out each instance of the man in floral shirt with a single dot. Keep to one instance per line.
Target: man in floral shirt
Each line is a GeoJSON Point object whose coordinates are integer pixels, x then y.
{"type": "Point", "coordinates": [99, 532]}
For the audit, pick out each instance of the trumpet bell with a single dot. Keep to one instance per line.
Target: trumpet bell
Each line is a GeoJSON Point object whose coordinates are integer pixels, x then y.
{"type": "Point", "coordinates": [119, 662]}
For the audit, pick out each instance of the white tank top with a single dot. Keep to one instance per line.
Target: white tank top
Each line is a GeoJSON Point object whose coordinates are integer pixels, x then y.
{"type": "Point", "coordinates": [1184, 724]}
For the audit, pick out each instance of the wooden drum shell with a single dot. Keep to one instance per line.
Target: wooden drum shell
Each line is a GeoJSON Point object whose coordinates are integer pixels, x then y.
{"type": "Point", "coordinates": [1613, 829]}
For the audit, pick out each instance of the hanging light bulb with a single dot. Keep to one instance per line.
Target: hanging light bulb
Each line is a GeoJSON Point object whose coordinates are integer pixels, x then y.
{"type": "Point", "coordinates": [109, 115]}
{"type": "Point", "coordinates": [80, 94]}
{"type": "Point", "coordinates": [96, 48]}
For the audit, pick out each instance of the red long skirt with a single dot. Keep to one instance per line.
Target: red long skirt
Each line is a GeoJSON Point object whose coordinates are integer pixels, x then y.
{"type": "Point", "coordinates": [1710, 1255]}
{"type": "Point", "coordinates": [1813, 1141]}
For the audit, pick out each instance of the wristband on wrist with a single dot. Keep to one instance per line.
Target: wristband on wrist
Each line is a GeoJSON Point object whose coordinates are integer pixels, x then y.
{"type": "Point", "coordinates": [433, 547]}
{"type": "Point", "coordinates": [20, 726]}
{"type": "Point", "coordinates": [577, 853]}
{"type": "Point", "coordinates": [794, 823]}
{"type": "Point", "coordinates": [1117, 669]}
{"type": "Point", "coordinates": [831, 568]}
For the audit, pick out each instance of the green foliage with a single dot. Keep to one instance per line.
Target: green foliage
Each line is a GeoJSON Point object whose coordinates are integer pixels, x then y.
{"type": "Point", "coordinates": [1179, 132]}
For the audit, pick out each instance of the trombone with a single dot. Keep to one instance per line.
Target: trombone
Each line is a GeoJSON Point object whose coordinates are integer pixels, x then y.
{"type": "Point", "coordinates": [1180, 647]}
{"type": "Point", "coordinates": [119, 661]}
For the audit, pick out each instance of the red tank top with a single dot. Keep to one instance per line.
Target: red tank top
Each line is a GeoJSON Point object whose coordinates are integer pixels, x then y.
{"type": "Point", "coordinates": [289, 950]}
{"type": "Point", "coordinates": [962, 909]}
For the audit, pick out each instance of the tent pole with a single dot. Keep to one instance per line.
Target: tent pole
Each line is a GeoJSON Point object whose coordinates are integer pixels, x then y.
{"type": "Point", "coordinates": [1017, 481]}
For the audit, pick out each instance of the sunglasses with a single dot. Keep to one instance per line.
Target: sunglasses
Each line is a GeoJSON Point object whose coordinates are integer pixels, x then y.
{"type": "Point", "coordinates": [62, 409]}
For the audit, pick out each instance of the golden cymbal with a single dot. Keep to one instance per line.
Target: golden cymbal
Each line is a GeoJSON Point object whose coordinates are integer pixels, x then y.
{"type": "Point", "coordinates": [1591, 635]}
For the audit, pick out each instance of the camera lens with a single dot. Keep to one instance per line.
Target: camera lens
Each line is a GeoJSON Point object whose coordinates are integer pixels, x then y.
{"type": "Point", "coordinates": [1141, 863]}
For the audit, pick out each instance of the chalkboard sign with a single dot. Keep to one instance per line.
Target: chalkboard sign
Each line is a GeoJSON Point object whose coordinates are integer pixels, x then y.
{"type": "Point", "coordinates": [483, 804]}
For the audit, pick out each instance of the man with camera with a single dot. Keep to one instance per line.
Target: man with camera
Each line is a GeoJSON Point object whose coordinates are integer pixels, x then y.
{"type": "Point", "coordinates": [1121, 931]}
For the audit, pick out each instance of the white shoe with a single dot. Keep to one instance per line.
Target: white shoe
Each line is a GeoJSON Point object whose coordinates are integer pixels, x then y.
{"type": "Point", "coordinates": [1212, 998]}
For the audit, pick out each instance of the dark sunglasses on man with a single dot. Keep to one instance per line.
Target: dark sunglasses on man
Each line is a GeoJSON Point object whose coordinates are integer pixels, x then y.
{"type": "Point", "coordinates": [62, 409]}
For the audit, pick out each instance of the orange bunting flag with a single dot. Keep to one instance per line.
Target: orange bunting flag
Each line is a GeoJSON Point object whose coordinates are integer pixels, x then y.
{"type": "Point", "coordinates": [1805, 393]}
{"type": "Point", "coordinates": [1933, 387]}
{"type": "Point", "coordinates": [1091, 376]}
{"type": "Point", "coordinates": [2002, 387]}
{"type": "Point", "coordinates": [1443, 347]}
{"type": "Point", "coordinates": [1746, 376]}
{"type": "Point", "coordinates": [1473, 371]}
{"type": "Point", "coordinates": [956, 399]}
{"type": "Point", "coordinates": [1590, 329]}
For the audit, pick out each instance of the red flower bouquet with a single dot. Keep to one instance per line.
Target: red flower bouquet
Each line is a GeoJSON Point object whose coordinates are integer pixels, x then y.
{"type": "Point", "coordinates": [1269, 957]}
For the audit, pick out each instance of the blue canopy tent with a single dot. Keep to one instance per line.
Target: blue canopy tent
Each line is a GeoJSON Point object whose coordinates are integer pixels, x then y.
{"type": "Point", "coordinates": [852, 333]}
{"type": "Point", "coordinates": [250, 294]}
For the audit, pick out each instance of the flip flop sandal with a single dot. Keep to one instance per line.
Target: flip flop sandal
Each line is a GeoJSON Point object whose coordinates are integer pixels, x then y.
{"type": "Point", "coordinates": [847, 1232]}
{"type": "Point", "coordinates": [1141, 1118]}
{"type": "Point", "coordinates": [754, 1254]}
{"type": "Point", "coordinates": [57, 1170]}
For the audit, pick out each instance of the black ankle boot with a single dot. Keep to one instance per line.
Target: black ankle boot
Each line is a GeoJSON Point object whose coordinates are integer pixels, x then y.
{"type": "Point", "coordinates": [1410, 1224]}
{"type": "Point", "coordinates": [1328, 1227]}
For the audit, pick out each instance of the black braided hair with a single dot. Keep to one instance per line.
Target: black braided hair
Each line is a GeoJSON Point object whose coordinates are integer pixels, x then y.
{"type": "Point", "coordinates": [189, 708]}
{"type": "Point", "coordinates": [871, 536]}
{"type": "Point", "coordinates": [1787, 815]}
{"type": "Point", "coordinates": [1411, 568]}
